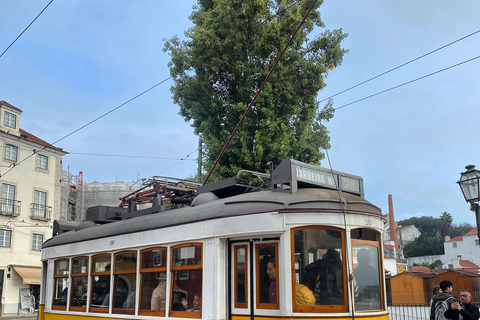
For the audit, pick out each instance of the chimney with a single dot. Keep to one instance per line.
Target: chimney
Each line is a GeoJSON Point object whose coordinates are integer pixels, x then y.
{"type": "Point", "coordinates": [391, 220]}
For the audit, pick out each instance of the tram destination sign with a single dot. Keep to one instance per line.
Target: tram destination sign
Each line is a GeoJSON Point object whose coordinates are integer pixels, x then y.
{"type": "Point", "coordinates": [305, 174]}
{"type": "Point", "coordinates": [328, 179]}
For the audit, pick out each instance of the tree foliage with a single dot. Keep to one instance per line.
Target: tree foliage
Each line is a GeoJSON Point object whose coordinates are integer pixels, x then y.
{"type": "Point", "coordinates": [433, 233]}
{"type": "Point", "coordinates": [225, 58]}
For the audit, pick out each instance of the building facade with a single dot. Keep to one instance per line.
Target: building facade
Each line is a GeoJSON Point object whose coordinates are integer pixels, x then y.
{"type": "Point", "coordinates": [30, 182]}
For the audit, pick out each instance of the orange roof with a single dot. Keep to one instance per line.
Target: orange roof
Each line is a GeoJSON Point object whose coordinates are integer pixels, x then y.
{"type": "Point", "coordinates": [388, 246]}
{"type": "Point", "coordinates": [30, 137]}
{"type": "Point", "coordinates": [420, 269]}
{"type": "Point", "coordinates": [458, 238]}
{"type": "Point", "coordinates": [468, 264]}
{"type": "Point", "coordinates": [472, 232]}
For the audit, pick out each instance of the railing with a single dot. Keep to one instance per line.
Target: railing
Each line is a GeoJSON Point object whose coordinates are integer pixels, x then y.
{"type": "Point", "coordinates": [9, 207]}
{"type": "Point", "coordinates": [40, 212]}
{"type": "Point", "coordinates": [411, 311]}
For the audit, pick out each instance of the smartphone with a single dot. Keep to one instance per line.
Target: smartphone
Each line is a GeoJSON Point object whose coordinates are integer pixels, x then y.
{"type": "Point", "coordinates": [454, 300]}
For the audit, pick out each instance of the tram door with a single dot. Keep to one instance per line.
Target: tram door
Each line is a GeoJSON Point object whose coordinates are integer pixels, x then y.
{"type": "Point", "coordinates": [254, 287]}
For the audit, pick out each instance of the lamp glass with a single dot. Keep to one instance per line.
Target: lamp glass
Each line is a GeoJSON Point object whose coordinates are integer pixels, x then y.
{"type": "Point", "coordinates": [469, 183]}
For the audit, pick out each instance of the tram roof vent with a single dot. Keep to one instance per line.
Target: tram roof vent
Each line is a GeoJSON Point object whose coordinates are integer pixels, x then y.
{"type": "Point", "coordinates": [291, 175]}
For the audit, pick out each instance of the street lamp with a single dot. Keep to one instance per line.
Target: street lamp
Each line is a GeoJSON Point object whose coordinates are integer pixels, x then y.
{"type": "Point", "coordinates": [470, 185]}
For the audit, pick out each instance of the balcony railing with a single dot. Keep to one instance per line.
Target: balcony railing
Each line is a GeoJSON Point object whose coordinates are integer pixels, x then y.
{"type": "Point", "coordinates": [9, 207]}
{"type": "Point", "coordinates": [40, 212]}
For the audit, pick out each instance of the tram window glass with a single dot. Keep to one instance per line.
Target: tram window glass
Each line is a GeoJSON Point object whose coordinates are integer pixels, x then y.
{"type": "Point", "coordinates": [153, 281]}
{"type": "Point", "coordinates": [124, 275]}
{"type": "Point", "coordinates": [186, 281]}
{"type": "Point", "coordinates": [241, 276]}
{"type": "Point", "coordinates": [60, 294]}
{"type": "Point", "coordinates": [100, 276]}
{"type": "Point", "coordinates": [266, 278]}
{"type": "Point", "coordinates": [78, 297]}
{"type": "Point", "coordinates": [319, 266]}
{"type": "Point", "coordinates": [366, 274]}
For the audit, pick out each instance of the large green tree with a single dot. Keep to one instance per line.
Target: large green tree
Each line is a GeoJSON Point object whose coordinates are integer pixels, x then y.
{"type": "Point", "coordinates": [222, 63]}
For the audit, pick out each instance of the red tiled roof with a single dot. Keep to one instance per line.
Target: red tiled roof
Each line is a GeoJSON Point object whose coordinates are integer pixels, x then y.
{"type": "Point", "coordinates": [30, 137]}
{"type": "Point", "coordinates": [388, 246]}
{"type": "Point", "coordinates": [468, 264]}
{"type": "Point", "coordinates": [458, 238]}
{"type": "Point", "coordinates": [5, 103]}
{"type": "Point", "coordinates": [472, 232]}
{"type": "Point", "coordinates": [420, 269]}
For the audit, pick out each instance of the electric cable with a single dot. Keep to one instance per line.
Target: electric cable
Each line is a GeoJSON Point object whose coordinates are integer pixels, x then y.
{"type": "Point", "coordinates": [408, 82]}
{"type": "Point", "coordinates": [402, 65]}
{"type": "Point", "coordinates": [125, 156]}
{"type": "Point", "coordinates": [25, 29]}
{"type": "Point", "coordinates": [182, 159]}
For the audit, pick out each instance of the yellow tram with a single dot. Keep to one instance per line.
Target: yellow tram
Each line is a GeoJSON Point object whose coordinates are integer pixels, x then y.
{"type": "Point", "coordinates": [306, 244]}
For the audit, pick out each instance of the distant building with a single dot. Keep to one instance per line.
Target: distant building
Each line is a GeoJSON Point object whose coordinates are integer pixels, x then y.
{"type": "Point", "coordinates": [406, 235]}
{"type": "Point", "coordinates": [30, 173]}
{"type": "Point", "coordinates": [462, 253]}
{"type": "Point", "coordinates": [78, 196]}
{"type": "Point", "coordinates": [462, 248]}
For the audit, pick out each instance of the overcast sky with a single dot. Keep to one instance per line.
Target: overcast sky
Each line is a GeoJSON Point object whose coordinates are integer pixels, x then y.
{"type": "Point", "coordinates": [83, 58]}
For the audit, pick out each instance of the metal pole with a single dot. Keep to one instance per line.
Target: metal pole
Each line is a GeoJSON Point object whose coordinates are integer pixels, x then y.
{"type": "Point", "coordinates": [477, 216]}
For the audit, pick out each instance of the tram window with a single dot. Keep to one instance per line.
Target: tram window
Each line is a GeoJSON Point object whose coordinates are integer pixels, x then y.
{"type": "Point", "coordinates": [124, 277]}
{"type": "Point", "coordinates": [241, 276]}
{"type": "Point", "coordinates": [319, 264]}
{"type": "Point", "coordinates": [60, 294]}
{"type": "Point", "coordinates": [266, 279]}
{"type": "Point", "coordinates": [186, 273]}
{"type": "Point", "coordinates": [366, 274]}
{"type": "Point", "coordinates": [78, 298]}
{"type": "Point", "coordinates": [100, 275]}
{"type": "Point", "coordinates": [153, 281]}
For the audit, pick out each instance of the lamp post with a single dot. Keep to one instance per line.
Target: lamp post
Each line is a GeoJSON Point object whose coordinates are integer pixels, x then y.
{"type": "Point", "coordinates": [470, 185]}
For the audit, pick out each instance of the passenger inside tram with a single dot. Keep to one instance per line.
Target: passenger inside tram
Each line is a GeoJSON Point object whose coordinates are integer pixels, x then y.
{"type": "Point", "coordinates": [197, 304]}
{"type": "Point", "coordinates": [272, 275]}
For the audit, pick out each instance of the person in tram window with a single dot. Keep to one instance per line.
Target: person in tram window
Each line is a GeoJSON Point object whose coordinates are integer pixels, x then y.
{"type": "Point", "coordinates": [272, 274]}
{"type": "Point", "coordinates": [158, 296]}
{"type": "Point", "coordinates": [197, 304]}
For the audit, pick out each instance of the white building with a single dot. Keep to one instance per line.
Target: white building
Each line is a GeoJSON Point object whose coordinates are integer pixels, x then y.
{"type": "Point", "coordinates": [461, 248]}
{"type": "Point", "coordinates": [30, 174]}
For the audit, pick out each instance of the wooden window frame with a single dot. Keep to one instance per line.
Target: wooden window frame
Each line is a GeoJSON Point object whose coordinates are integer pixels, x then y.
{"type": "Point", "coordinates": [259, 305]}
{"type": "Point", "coordinates": [93, 274]}
{"type": "Point", "coordinates": [60, 276]}
{"type": "Point", "coordinates": [78, 275]}
{"type": "Point", "coordinates": [377, 245]}
{"type": "Point", "coordinates": [115, 277]}
{"type": "Point", "coordinates": [144, 312]}
{"type": "Point", "coordinates": [173, 268]}
{"type": "Point", "coordinates": [320, 308]}
{"type": "Point", "coordinates": [241, 305]}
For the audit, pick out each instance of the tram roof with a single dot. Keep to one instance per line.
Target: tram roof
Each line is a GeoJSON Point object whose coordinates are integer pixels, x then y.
{"type": "Point", "coordinates": [209, 207]}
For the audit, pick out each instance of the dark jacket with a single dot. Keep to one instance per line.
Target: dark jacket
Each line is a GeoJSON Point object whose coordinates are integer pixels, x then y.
{"type": "Point", "coordinates": [470, 313]}
{"type": "Point", "coordinates": [440, 297]}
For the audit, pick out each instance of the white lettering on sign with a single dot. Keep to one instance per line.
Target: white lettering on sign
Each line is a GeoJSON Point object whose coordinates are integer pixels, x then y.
{"type": "Point", "coordinates": [315, 176]}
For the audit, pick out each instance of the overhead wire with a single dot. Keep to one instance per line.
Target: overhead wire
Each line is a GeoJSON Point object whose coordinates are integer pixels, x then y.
{"type": "Point", "coordinates": [402, 65]}
{"type": "Point", "coordinates": [125, 156]}
{"type": "Point", "coordinates": [182, 159]}
{"type": "Point", "coordinates": [25, 29]}
{"type": "Point", "coordinates": [408, 82]}
{"type": "Point", "coordinates": [105, 114]}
